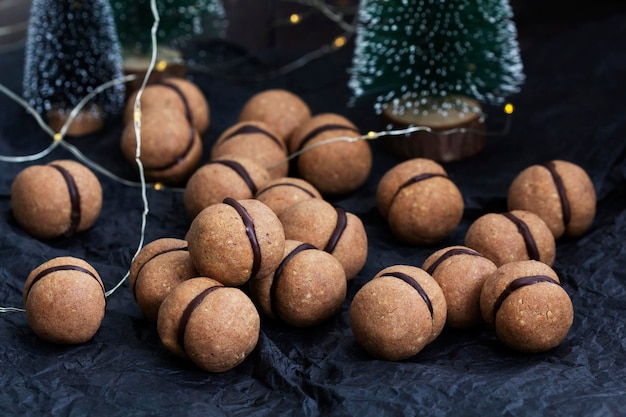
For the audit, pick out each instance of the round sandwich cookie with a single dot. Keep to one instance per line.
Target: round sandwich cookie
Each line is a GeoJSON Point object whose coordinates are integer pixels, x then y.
{"type": "Point", "coordinates": [235, 241]}
{"type": "Point", "coordinates": [280, 193]}
{"type": "Point", "coordinates": [512, 236]}
{"type": "Point", "coordinates": [280, 109]}
{"type": "Point", "coordinates": [460, 272]}
{"type": "Point", "coordinates": [396, 314]}
{"type": "Point", "coordinates": [330, 229]}
{"type": "Point", "coordinates": [61, 198]}
{"type": "Point", "coordinates": [420, 202]}
{"type": "Point", "coordinates": [65, 300]}
{"type": "Point", "coordinates": [156, 270]}
{"type": "Point", "coordinates": [214, 326]}
{"type": "Point", "coordinates": [254, 140]}
{"type": "Point", "coordinates": [333, 167]}
{"type": "Point", "coordinates": [307, 288]}
{"type": "Point", "coordinates": [527, 306]}
{"type": "Point", "coordinates": [232, 176]}
{"type": "Point", "coordinates": [560, 192]}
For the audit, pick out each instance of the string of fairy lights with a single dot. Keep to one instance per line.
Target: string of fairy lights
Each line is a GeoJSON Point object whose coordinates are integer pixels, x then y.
{"type": "Point", "coordinates": [58, 138]}
{"type": "Point", "coordinates": [337, 42]}
{"type": "Point", "coordinates": [335, 14]}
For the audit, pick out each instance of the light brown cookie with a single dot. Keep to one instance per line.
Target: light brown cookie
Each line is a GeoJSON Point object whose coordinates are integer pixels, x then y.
{"type": "Point", "coordinates": [330, 229]}
{"type": "Point", "coordinates": [559, 192]}
{"type": "Point", "coordinates": [61, 198]}
{"type": "Point", "coordinates": [334, 168]}
{"type": "Point", "coordinates": [307, 288]}
{"type": "Point", "coordinates": [64, 300]}
{"type": "Point", "coordinates": [460, 272]}
{"type": "Point", "coordinates": [235, 241]}
{"type": "Point", "coordinates": [396, 314]}
{"type": "Point", "coordinates": [420, 202]}
{"type": "Point", "coordinates": [512, 236]}
{"type": "Point", "coordinates": [527, 306]}
{"type": "Point", "coordinates": [214, 326]}
{"type": "Point", "coordinates": [156, 270]}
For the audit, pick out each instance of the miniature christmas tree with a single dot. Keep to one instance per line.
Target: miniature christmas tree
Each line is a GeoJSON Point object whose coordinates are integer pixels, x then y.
{"type": "Point", "coordinates": [179, 21]}
{"type": "Point", "coordinates": [72, 48]}
{"type": "Point", "coordinates": [409, 53]}
{"type": "Point", "coordinates": [431, 63]}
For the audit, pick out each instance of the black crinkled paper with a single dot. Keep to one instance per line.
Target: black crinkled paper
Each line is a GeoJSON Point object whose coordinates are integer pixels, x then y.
{"type": "Point", "coordinates": [571, 107]}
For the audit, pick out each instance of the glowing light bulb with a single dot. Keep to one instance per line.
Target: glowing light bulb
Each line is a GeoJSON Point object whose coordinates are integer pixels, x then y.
{"type": "Point", "coordinates": [161, 65]}
{"type": "Point", "coordinates": [57, 137]}
{"type": "Point", "coordinates": [158, 186]}
{"type": "Point", "coordinates": [137, 115]}
{"type": "Point", "coordinates": [508, 108]}
{"type": "Point", "coordinates": [339, 41]}
{"type": "Point", "coordinates": [371, 134]}
{"type": "Point", "coordinates": [294, 18]}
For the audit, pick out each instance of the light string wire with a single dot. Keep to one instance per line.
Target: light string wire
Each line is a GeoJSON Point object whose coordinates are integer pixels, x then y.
{"type": "Point", "coordinates": [59, 136]}
{"type": "Point", "coordinates": [40, 122]}
{"type": "Point", "coordinates": [339, 41]}
{"type": "Point", "coordinates": [324, 8]}
{"type": "Point", "coordinates": [137, 127]}
{"type": "Point", "coordinates": [11, 310]}
{"type": "Point", "coordinates": [373, 135]}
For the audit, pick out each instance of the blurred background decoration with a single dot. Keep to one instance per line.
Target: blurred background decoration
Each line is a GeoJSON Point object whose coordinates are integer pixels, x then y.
{"type": "Point", "coordinates": [13, 23]}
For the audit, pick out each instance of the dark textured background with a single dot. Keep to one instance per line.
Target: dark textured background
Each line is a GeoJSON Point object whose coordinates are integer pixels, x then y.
{"type": "Point", "coordinates": [571, 107]}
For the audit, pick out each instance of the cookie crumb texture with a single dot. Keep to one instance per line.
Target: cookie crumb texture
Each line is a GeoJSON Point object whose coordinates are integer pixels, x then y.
{"type": "Point", "coordinates": [565, 200]}
{"type": "Point", "coordinates": [391, 320]}
{"type": "Point", "coordinates": [309, 288]}
{"type": "Point", "coordinates": [157, 269]}
{"type": "Point", "coordinates": [282, 110]}
{"type": "Point", "coordinates": [421, 204]}
{"type": "Point", "coordinates": [461, 277]}
{"type": "Point", "coordinates": [64, 301]}
{"type": "Point", "coordinates": [530, 318]}
{"type": "Point", "coordinates": [218, 332]}
{"type": "Point", "coordinates": [221, 247]}
{"type": "Point", "coordinates": [501, 240]}
{"type": "Point", "coordinates": [334, 168]}
{"type": "Point", "coordinates": [47, 206]}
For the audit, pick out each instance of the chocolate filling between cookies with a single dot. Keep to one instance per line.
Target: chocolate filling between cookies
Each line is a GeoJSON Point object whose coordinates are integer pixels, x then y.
{"type": "Point", "coordinates": [560, 188]}
{"type": "Point", "coordinates": [415, 179]}
{"type": "Point", "coordinates": [286, 184]}
{"type": "Point", "coordinates": [251, 129]}
{"type": "Point", "coordinates": [241, 171]}
{"type": "Point", "coordinates": [75, 213]}
{"type": "Point", "coordinates": [452, 252]}
{"type": "Point", "coordinates": [529, 241]}
{"type": "Point", "coordinates": [279, 270]}
{"type": "Point", "coordinates": [519, 283]}
{"type": "Point", "coordinates": [248, 222]}
{"type": "Point", "coordinates": [57, 268]}
{"type": "Point", "coordinates": [189, 117]}
{"type": "Point", "coordinates": [323, 128]}
{"type": "Point", "coordinates": [193, 304]}
{"type": "Point", "coordinates": [413, 283]}
{"type": "Point", "coordinates": [342, 222]}
{"type": "Point", "coordinates": [156, 255]}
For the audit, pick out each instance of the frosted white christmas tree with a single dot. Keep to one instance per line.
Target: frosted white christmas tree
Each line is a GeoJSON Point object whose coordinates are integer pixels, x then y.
{"type": "Point", "coordinates": [412, 53]}
{"type": "Point", "coordinates": [72, 48]}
